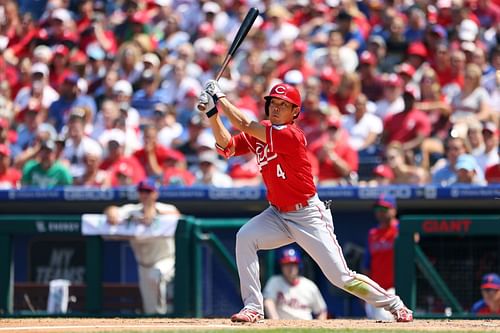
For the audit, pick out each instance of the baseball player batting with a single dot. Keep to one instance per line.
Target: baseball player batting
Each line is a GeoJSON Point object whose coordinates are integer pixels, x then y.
{"type": "Point", "coordinates": [295, 213]}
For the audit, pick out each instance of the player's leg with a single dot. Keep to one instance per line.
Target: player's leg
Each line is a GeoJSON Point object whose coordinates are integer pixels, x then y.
{"type": "Point", "coordinates": [152, 287]}
{"type": "Point", "coordinates": [263, 232]}
{"type": "Point", "coordinates": [312, 228]}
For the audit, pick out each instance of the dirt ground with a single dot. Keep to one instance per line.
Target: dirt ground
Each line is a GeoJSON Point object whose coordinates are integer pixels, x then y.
{"type": "Point", "coordinates": [45, 325]}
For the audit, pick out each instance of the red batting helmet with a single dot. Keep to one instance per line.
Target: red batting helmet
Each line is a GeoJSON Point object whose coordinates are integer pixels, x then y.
{"type": "Point", "coordinates": [285, 92]}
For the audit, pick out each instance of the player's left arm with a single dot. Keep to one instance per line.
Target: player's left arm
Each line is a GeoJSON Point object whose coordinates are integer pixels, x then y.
{"type": "Point", "coordinates": [238, 119]}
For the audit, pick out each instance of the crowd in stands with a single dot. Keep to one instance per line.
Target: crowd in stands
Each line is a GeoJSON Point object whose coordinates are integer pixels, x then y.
{"type": "Point", "coordinates": [104, 93]}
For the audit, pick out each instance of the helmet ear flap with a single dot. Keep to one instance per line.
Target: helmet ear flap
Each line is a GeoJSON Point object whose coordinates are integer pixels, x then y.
{"type": "Point", "coordinates": [268, 103]}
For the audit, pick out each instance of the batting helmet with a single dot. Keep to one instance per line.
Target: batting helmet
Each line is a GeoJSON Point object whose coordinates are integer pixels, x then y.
{"type": "Point", "coordinates": [285, 92]}
{"type": "Point", "coordinates": [290, 256]}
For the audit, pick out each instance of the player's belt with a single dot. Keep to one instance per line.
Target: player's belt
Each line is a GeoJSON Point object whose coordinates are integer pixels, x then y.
{"type": "Point", "coordinates": [294, 207]}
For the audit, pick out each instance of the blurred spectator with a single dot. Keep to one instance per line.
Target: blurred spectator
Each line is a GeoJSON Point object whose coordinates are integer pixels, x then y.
{"type": "Point", "coordinates": [404, 172]}
{"type": "Point", "coordinates": [473, 99]}
{"type": "Point", "coordinates": [347, 92]}
{"type": "Point", "coordinates": [78, 145]}
{"type": "Point", "coordinates": [178, 84]}
{"type": "Point", "coordinates": [350, 32]}
{"type": "Point", "coordinates": [338, 162]}
{"type": "Point", "coordinates": [175, 172]}
{"type": "Point", "coordinates": [490, 292]}
{"type": "Point", "coordinates": [392, 101]}
{"type": "Point", "coordinates": [364, 128]}
{"type": "Point", "coordinates": [129, 63]}
{"type": "Point", "coordinates": [44, 132]}
{"type": "Point", "coordinates": [46, 172]}
{"type": "Point", "coordinates": [492, 174]}
{"type": "Point", "coordinates": [434, 104]}
{"type": "Point", "coordinates": [244, 171]}
{"type": "Point", "coordinates": [382, 175]}
{"type": "Point", "coordinates": [466, 170]}
{"type": "Point", "coordinates": [208, 173]}
{"type": "Point", "coordinates": [9, 177]}
{"type": "Point", "coordinates": [92, 175]}
{"type": "Point", "coordinates": [378, 262]}
{"type": "Point", "coordinates": [147, 97]}
{"type": "Point", "coordinates": [289, 295]}
{"type": "Point", "coordinates": [169, 130]}
{"type": "Point", "coordinates": [371, 83]}
{"type": "Point", "coordinates": [152, 155]}
{"type": "Point", "coordinates": [297, 61]}
{"type": "Point", "coordinates": [29, 119]}
{"type": "Point", "coordinates": [277, 27]}
{"type": "Point", "coordinates": [196, 135]}
{"type": "Point", "coordinates": [396, 41]}
{"type": "Point", "coordinates": [490, 155]}
{"type": "Point", "coordinates": [116, 163]}
{"type": "Point", "coordinates": [475, 138]}
{"type": "Point", "coordinates": [443, 173]}
{"type": "Point", "coordinates": [69, 98]}
{"type": "Point", "coordinates": [409, 127]}
{"type": "Point", "coordinates": [122, 95]}
{"type": "Point", "coordinates": [38, 88]}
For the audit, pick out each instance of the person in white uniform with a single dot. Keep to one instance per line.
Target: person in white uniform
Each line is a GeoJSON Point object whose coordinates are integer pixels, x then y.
{"type": "Point", "coordinates": [291, 296]}
{"type": "Point", "coordinates": [155, 256]}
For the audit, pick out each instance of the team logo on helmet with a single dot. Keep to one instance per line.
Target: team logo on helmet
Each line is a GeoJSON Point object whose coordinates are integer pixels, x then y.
{"type": "Point", "coordinates": [280, 89]}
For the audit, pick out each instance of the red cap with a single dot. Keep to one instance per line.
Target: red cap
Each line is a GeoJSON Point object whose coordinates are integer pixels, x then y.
{"type": "Point", "coordinates": [411, 91]}
{"type": "Point", "coordinates": [4, 149]}
{"type": "Point", "coordinates": [218, 49]}
{"type": "Point", "coordinates": [4, 123]}
{"type": "Point", "coordinates": [78, 57]}
{"type": "Point", "coordinates": [139, 17]}
{"type": "Point", "coordinates": [393, 80]}
{"type": "Point", "coordinates": [367, 58]}
{"type": "Point", "coordinates": [333, 121]}
{"type": "Point", "coordinates": [417, 49]}
{"type": "Point", "coordinates": [192, 93]}
{"type": "Point", "coordinates": [384, 171]}
{"type": "Point", "coordinates": [329, 74]}
{"type": "Point", "coordinates": [406, 68]}
{"type": "Point", "coordinates": [61, 49]}
{"type": "Point", "coordinates": [300, 46]}
{"type": "Point", "coordinates": [176, 155]}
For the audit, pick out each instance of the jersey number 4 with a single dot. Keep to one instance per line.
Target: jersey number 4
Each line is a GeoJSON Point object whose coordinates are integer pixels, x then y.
{"type": "Point", "coordinates": [279, 172]}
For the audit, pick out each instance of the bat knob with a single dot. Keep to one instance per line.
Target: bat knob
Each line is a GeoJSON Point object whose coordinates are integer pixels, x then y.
{"type": "Point", "coordinates": [202, 107]}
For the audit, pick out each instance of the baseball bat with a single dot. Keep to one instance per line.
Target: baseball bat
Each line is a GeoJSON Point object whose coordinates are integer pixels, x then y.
{"type": "Point", "coordinates": [245, 27]}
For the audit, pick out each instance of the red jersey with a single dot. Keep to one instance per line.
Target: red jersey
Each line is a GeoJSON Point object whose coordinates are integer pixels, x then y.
{"type": "Point", "coordinates": [10, 178]}
{"type": "Point", "coordinates": [380, 255]}
{"type": "Point", "coordinates": [283, 163]}
{"type": "Point", "coordinates": [406, 126]}
{"type": "Point", "coordinates": [342, 149]}
{"type": "Point", "coordinates": [492, 174]}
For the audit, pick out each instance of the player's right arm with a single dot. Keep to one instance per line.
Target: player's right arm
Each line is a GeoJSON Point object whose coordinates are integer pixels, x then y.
{"type": "Point", "coordinates": [270, 309]}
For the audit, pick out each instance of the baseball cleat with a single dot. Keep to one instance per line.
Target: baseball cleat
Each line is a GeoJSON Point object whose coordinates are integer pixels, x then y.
{"type": "Point", "coordinates": [403, 315]}
{"type": "Point", "coordinates": [247, 316]}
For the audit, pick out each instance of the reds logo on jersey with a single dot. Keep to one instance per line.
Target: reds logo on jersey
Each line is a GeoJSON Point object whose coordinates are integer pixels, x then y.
{"type": "Point", "coordinates": [264, 155]}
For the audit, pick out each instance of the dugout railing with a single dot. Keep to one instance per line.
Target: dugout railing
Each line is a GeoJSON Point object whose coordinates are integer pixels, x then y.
{"type": "Point", "coordinates": [198, 244]}
{"type": "Point", "coordinates": [440, 259]}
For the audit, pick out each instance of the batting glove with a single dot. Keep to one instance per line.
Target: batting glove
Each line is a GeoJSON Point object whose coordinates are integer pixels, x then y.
{"type": "Point", "coordinates": [213, 89]}
{"type": "Point", "coordinates": [208, 101]}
